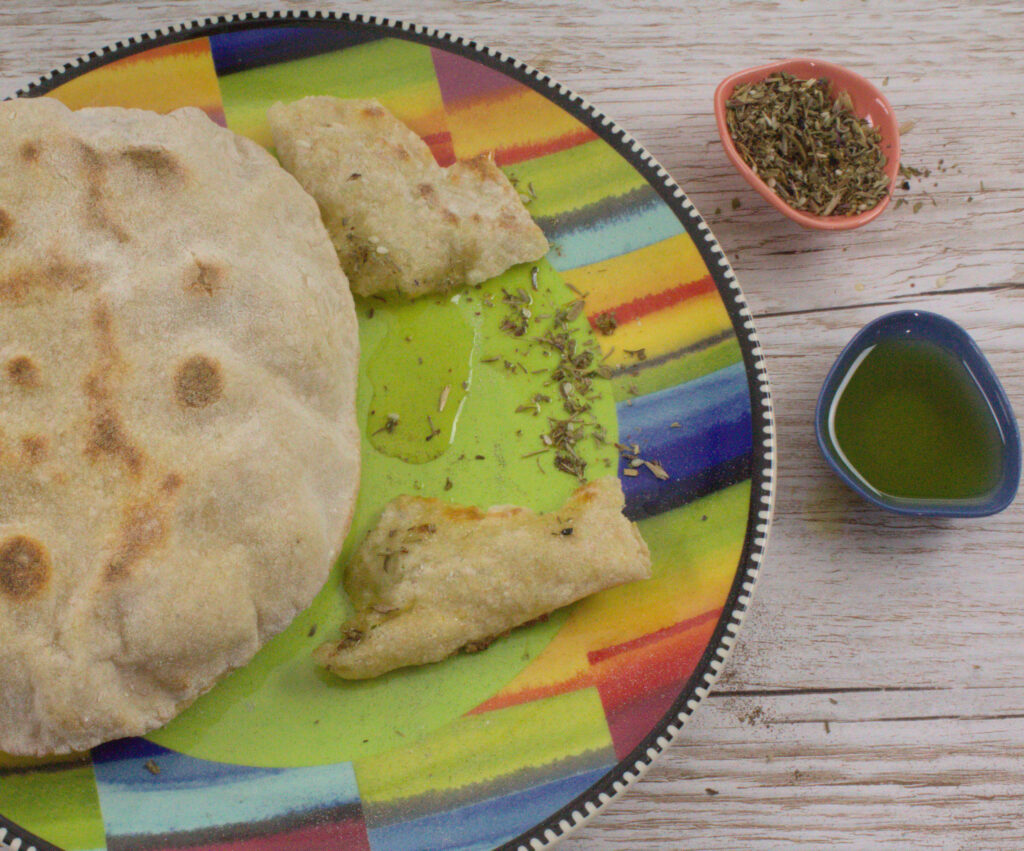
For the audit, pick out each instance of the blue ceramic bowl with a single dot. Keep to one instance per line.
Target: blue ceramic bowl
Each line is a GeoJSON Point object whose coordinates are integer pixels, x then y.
{"type": "Point", "coordinates": [930, 327]}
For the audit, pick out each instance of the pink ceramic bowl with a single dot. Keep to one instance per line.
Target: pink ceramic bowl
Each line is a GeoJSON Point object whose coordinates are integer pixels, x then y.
{"type": "Point", "coordinates": [868, 103]}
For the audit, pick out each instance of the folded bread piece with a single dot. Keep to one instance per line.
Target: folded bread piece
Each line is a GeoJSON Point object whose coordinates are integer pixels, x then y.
{"type": "Point", "coordinates": [398, 220]}
{"type": "Point", "coordinates": [434, 578]}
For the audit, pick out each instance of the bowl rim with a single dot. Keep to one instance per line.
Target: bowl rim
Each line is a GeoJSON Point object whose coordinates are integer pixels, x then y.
{"type": "Point", "coordinates": [834, 73]}
{"type": "Point", "coordinates": [1002, 494]}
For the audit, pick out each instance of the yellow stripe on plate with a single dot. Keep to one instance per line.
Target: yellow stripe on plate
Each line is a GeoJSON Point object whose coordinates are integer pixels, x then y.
{"type": "Point", "coordinates": [162, 79]}
{"type": "Point", "coordinates": [478, 748]}
{"type": "Point", "coordinates": [509, 118]}
{"type": "Point", "coordinates": [639, 273]}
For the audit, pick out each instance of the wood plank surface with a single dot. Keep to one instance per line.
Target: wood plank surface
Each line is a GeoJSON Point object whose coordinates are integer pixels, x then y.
{"type": "Point", "coordinates": [875, 698]}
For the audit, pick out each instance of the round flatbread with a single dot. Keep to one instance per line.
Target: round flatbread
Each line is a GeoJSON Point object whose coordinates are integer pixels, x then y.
{"type": "Point", "coordinates": [179, 455]}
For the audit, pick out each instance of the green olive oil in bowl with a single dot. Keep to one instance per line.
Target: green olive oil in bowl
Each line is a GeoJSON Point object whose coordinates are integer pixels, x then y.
{"type": "Point", "coordinates": [913, 418]}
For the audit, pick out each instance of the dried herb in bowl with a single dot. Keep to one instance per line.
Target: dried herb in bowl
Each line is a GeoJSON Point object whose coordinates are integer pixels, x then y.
{"type": "Point", "coordinates": [807, 144]}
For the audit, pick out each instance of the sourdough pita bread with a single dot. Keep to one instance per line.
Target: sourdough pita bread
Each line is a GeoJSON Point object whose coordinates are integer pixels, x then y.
{"type": "Point", "coordinates": [434, 578]}
{"type": "Point", "coordinates": [179, 454]}
{"type": "Point", "coordinates": [399, 220]}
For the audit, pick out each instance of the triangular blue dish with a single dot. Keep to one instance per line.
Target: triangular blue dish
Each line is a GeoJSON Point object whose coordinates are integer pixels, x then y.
{"type": "Point", "coordinates": [917, 325]}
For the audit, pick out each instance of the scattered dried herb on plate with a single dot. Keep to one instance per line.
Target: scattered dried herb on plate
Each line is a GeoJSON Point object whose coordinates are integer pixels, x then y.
{"type": "Point", "coordinates": [606, 322]}
{"type": "Point", "coordinates": [808, 145]}
{"type": "Point", "coordinates": [574, 365]}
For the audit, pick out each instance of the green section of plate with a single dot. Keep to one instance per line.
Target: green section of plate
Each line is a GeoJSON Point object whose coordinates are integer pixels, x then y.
{"type": "Point", "coordinates": [491, 747]}
{"type": "Point", "coordinates": [420, 379]}
{"type": "Point", "coordinates": [399, 73]}
{"type": "Point", "coordinates": [677, 370]}
{"type": "Point", "coordinates": [280, 709]}
{"type": "Point", "coordinates": [70, 809]}
{"type": "Point", "coordinates": [698, 540]}
{"type": "Point", "coordinates": [573, 179]}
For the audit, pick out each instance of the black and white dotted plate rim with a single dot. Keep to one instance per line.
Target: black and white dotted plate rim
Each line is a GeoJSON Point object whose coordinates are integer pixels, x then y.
{"type": "Point", "coordinates": [630, 769]}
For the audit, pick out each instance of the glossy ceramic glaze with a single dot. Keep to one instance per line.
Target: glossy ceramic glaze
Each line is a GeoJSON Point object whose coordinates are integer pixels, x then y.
{"type": "Point", "coordinates": [868, 102]}
{"type": "Point", "coordinates": [508, 747]}
{"type": "Point", "coordinates": [916, 325]}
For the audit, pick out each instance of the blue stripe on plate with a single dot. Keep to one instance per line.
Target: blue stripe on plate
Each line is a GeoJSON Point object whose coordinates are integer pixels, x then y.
{"type": "Point", "coordinates": [245, 49]}
{"type": "Point", "coordinates": [485, 825]}
{"type": "Point", "coordinates": [710, 448]}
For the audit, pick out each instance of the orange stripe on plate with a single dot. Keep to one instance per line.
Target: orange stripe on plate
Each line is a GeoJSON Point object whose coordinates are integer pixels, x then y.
{"type": "Point", "coordinates": [585, 679]}
{"type": "Point", "coordinates": [598, 656]}
{"type": "Point", "coordinates": [646, 271]}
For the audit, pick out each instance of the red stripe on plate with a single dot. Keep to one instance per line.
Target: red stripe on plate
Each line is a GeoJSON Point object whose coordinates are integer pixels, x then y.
{"type": "Point", "coordinates": [658, 301]}
{"type": "Point", "coordinates": [582, 680]}
{"type": "Point", "coordinates": [596, 656]}
{"type": "Point", "coordinates": [626, 677]}
{"type": "Point", "coordinates": [349, 835]}
{"type": "Point", "coordinates": [629, 725]}
{"type": "Point", "coordinates": [216, 114]}
{"type": "Point", "coordinates": [442, 147]}
{"type": "Point", "coordinates": [518, 153]}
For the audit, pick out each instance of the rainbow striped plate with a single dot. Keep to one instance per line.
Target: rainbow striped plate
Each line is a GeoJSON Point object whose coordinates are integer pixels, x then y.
{"type": "Point", "coordinates": [515, 746]}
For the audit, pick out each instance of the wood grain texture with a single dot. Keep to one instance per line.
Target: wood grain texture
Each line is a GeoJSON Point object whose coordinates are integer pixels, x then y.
{"type": "Point", "coordinates": [876, 695]}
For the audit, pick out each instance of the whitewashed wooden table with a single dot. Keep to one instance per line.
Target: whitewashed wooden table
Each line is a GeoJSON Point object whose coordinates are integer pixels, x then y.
{"type": "Point", "coordinates": [876, 695]}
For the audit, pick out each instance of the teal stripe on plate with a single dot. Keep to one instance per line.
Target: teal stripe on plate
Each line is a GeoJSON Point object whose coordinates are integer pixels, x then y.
{"type": "Point", "coordinates": [640, 226]}
{"type": "Point", "coordinates": [192, 794]}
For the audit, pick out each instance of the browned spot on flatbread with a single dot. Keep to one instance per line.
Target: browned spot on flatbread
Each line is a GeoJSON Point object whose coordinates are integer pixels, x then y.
{"type": "Point", "coordinates": [461, 512]}
{"type": "Point", "coordinates": [509, 511]}
{"type": "Point", "coordinates": [99, 217]}
{"type": "Point", "coordinates": [155, 162]}
{"type": "Point", "coordinates": [106, 342]}
{"type": "Point", "coordinates": [35, 448]}
{"type": "Point", "coordinates": [205, 278]}
{"type": "Point", "coordinates": [53, 276]}
{"type": "Point", "coordinates": [15, 287]}
{"type": "Point", "coordinates": [426, 190]}
{"type": "Point", "coordinates": [100, 381]}
{"type": "Point", "coordinates": [449, 216]}
{"type": "Point", "coordinates": [6, 224]}
{"type": "Point", "coordinates": [584, 495]}
{"type": "Point", "coordinates": [30, 151]}
{"type": "Point", "coordinates": [23, 372]}
{"type": "Point", "coordinates": [482, 165]}
{"type": "Point", "coordinates": [95, 387]}
{"type": "Point", "coordinates": [91, 160]}
{"type": "Point", "coordinates": [24, 568]}
{"type": "Point", "coordinates": [171, 483]}
{"type": "Point", "coordinates": [198, 382]}
{"type": "Point", "coordinates": [107, 438]}
{"type": "Point", "coordinates": [143, 529]}
{"type": "Point", "coordinates": [402, 153]}
{"type": "Point", "coordinates": [103, 325]}
{"type": "Point", "coordinates": [372, 110]}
